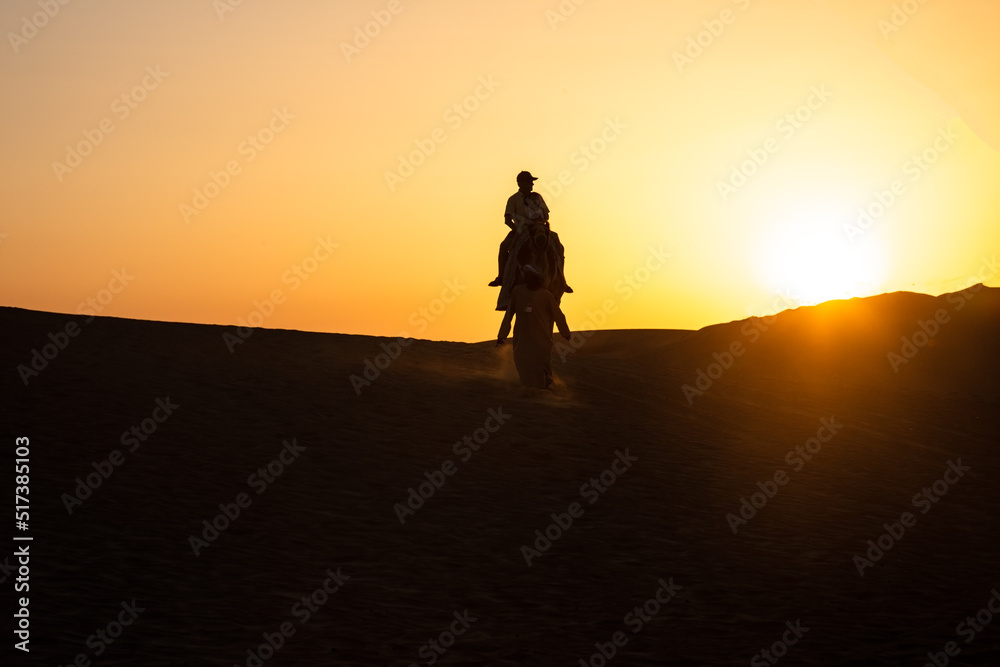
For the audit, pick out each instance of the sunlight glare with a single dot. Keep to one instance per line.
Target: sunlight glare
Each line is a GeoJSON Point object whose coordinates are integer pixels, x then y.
{"type": "Point", "coordinates": [814, 262]}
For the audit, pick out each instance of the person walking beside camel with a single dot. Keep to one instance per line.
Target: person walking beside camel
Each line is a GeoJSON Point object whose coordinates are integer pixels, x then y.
{"type": "Point", "coordinates": [533, 310]}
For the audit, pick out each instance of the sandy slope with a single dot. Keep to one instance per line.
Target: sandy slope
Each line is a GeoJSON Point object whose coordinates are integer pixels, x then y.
{"type": "Point", "coordinates": [663, 517]}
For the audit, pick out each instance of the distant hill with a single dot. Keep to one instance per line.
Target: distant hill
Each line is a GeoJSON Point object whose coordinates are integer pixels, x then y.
{"type": "Point", "coordinates": [943, 343]}
{"type": "Point", "coordinates": [949, 342]}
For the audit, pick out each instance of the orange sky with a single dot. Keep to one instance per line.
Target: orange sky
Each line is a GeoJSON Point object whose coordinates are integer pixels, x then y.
{"type": "Point", "coordinates": [217, 154]}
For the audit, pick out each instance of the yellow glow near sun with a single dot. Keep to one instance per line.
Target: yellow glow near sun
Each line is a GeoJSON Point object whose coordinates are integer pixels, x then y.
{"type": "Point", "coordinates": [813, 261]}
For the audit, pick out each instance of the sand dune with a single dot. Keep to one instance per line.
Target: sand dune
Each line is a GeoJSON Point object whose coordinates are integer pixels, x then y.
{"type": "Point", "coordinates": [813, 400]}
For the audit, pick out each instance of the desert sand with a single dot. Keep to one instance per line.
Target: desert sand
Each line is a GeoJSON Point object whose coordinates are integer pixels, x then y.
{"type": "Point", "coordinates": [811, 417]}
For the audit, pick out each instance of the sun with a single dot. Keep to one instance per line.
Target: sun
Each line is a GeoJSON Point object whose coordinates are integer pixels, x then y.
{"type": "Point", "coordinates": [814, 261]}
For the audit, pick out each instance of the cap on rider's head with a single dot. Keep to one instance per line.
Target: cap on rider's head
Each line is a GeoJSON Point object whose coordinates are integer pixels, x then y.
{"type": "Point", "coordinates": [525, 177]}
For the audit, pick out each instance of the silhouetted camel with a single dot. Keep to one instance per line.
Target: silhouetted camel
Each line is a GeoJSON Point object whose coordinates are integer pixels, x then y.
{"type": "Point", "coordinates": [541, 247]}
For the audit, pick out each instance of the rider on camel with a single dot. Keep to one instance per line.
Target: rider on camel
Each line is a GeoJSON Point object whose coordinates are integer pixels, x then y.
{"type": "Point", "coordinates": [524, 208]}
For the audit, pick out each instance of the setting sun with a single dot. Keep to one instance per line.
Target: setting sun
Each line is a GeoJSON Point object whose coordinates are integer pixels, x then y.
{"type": "Point", "coordinates": [813, 261]}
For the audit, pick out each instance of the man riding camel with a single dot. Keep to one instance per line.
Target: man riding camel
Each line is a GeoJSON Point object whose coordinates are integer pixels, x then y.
{"type": "Point", "coordinates": [524, 208]}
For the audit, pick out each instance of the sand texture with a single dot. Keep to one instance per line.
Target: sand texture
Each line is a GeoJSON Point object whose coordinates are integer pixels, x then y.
{"type": "Point", "coordinates": [619, 397]}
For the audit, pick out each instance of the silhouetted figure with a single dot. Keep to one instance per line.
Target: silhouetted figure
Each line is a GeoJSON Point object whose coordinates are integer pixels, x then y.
{"type": "Point", "coordinates": [524, 210]}
{"type": "Point", "coordinates": [536, 311]}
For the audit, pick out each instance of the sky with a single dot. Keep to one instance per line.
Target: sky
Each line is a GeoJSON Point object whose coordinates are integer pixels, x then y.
{"type": "Point", "coordinates": [344, 166]}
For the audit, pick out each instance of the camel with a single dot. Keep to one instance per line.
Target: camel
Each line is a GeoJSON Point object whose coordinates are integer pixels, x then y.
{"type": "Point", "coordinates": [540, 246]}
